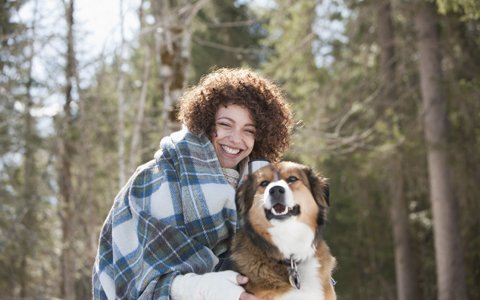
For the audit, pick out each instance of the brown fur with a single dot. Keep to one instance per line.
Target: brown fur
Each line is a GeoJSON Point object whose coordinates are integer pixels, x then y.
{"type": "Point", "coordinates": [328, 263]}
{"type": "Point", "coordinates": [253, 253]}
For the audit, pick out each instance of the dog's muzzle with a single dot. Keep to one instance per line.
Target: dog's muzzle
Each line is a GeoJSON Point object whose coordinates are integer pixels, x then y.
{"type": "Point", "coordinates": [279, 205]}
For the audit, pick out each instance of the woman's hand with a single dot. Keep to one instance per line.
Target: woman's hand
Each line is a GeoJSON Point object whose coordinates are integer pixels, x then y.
{"type": "Point", "coordinates": [245, 296]}
{"type": "Point", "coordinates": [224, 285]}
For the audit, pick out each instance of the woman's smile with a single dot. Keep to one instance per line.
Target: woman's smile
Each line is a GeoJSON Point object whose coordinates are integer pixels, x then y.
{"type": "Point", "coordinates": [230, 150]}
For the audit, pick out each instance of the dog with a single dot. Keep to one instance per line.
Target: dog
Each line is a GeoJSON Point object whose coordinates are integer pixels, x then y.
{"type": "Point", "coordinates": [282, 209]}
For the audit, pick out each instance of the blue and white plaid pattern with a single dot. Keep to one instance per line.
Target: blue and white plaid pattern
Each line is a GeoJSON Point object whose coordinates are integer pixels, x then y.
{"type": "Point", "coordinates": [174, 216]}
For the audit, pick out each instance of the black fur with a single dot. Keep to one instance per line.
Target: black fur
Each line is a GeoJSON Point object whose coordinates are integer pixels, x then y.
{"type": "Point", "coordinates": [245, 194]}
{"type": "Point", "coordinates": [319, 187]}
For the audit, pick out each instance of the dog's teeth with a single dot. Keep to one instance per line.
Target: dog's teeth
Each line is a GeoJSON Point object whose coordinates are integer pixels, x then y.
{"type": "Point", "coordinates": [284, 212]}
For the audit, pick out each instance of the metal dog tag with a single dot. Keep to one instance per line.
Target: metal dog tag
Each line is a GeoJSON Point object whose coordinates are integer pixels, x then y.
{"type": "Point", "coordinates": [293, 274]}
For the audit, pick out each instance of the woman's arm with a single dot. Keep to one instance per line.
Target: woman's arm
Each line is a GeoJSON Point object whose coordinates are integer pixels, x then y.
{"type": "Point", "coordinates": [138, 254]}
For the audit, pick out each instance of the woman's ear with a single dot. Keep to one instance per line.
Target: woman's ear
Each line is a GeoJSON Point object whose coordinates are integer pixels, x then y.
{"type": "Point", "coordinates": [212, 132]}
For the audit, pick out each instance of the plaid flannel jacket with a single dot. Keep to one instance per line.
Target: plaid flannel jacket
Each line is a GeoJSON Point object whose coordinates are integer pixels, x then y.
{"type": "Point", "coordinates": [174, 216]}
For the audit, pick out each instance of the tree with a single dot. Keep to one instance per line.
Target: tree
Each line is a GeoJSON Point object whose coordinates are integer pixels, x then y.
{"type": "Point", "coordinates": [406, 276]}
{"type": "Point", "coordinates": [121, 103]}
{"type": "Point", "coordinates": [448, 250]}
{"type": "Point", "coordinates": [291, 62]}
{"type": "Point", "coordinates": [172, 40]}
{"type": "Point", "coordinates": [21, 203]}
{"type": "Point", "coordinates": [226, 34]}
{"type": "Point", "coordinates": [470, 8]}
{"type": "Point", "coordinates": [66, 154]}
{"type": "Point", "coordinates": [139, 118]}
{"type": "Point", "coordinates": [30, 175]}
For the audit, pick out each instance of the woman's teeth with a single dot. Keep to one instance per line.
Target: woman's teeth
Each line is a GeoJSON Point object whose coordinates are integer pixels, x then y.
{"type": "Point", "coordinates": [230, 150]}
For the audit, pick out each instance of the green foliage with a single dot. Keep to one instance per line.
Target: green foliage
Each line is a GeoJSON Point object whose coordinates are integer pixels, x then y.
{"type": "Point", "coordinates": [358, 230]}
{"type": "Point", "coordinates": [469, 8]}
{"type": "Point", "coordinates": [290, 41]}
{"type": "Point", "coordinates": [227, 34]}
{"type": "Point", "coordinates": [24, 231]}
{"type": "Point", "coordinates": [11, 33]}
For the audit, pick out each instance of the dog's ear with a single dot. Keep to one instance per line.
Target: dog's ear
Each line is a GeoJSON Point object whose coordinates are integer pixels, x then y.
{"type": "Point", "coordinates": [319, 187]}
{"type": "Point", "coordinates": [245, 194]}
{"type": "Point", "coordinates": [321, 194]}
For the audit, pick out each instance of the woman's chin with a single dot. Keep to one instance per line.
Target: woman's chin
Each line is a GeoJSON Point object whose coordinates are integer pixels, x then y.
{"type": "Point", "coordinates": [229, 162]}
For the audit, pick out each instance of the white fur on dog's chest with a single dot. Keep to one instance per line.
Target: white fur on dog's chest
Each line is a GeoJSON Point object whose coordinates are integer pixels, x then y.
{"type": "Point", "coordinates": [310, 287]}
{"type": "Point", "coordinates": [294, 238]}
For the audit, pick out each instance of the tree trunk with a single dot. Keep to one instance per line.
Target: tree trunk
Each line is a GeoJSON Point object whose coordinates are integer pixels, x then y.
{"type": "Point", "coordinates": [386, 39]}
{"type": "Point", "coordinates": [121, 105]}
{"type": "Point", "coordinates": [406, 276]}
{"type": "Point", "coordinates": [66, 154]}
{"type": "Point", "coordinates": [448, 250]}
{"type": "Point", "coordinates": [406, 279]}
{"type": "Point", "coordinates": [30, 203]}
{"type": "Point", "coordinates": [136, 133]}
{"type": "Point", "coordinates": [173, 41]}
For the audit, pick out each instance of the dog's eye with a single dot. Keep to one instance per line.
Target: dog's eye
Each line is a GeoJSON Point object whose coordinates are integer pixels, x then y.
{"type": "Point", "coordinates": [264, 183]}
{"type": "Point", "coordinates": [291, 179]}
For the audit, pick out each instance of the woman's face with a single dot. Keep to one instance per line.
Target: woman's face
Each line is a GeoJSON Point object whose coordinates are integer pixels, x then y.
{"type": "Point", "coordinates": [234, 134]}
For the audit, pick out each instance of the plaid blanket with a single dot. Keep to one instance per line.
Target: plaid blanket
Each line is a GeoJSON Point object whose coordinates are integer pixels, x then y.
{"type": "Point", "coordinates": [174, 216]}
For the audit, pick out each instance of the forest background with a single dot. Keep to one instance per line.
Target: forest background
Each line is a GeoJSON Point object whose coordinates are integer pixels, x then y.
{"type": "Point", "coordinates": [386, 94]}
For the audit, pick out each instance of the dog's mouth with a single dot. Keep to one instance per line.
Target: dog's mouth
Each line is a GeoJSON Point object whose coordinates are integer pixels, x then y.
{"type": "Point", "coordinates": [280, 211]}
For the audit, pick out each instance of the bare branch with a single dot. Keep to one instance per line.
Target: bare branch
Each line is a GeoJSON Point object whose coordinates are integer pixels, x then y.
{"type": "Point", "coordinates": [235, 23]}
{"type": "Point", "coordinates": [224, 47]}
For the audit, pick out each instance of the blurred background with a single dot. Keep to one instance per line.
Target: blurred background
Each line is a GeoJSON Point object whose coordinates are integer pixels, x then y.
{"type": "Point", "coordinates": [386, 95]}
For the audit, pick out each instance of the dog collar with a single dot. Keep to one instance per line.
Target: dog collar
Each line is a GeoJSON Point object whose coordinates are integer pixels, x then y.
{"type": "Point", "coordinates": [293, 276]}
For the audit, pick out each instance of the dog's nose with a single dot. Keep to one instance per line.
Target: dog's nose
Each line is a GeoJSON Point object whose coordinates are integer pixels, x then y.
{"type": "Point", "coordinates": [276, 191]}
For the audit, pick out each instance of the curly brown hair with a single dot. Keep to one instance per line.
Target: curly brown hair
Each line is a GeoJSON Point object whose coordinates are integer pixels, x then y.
{"type": "Point", "coordinates": [271, 113]}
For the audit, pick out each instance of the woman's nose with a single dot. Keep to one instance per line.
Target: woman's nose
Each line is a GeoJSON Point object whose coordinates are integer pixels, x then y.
{"type": "Point", "coordinates": [236, 136]}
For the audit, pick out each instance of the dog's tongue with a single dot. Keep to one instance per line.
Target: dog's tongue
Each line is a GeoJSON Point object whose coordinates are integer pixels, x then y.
{"type": "Point", "coordinates": [279, 208]}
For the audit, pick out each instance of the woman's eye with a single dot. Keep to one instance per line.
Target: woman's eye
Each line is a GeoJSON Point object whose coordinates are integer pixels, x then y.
{"type": "Point", "coordinates": [291, 179]}
{"type": "Point", "coordinates": [264, 183]}
{"type": "Point", "coordinates": [226, 125]}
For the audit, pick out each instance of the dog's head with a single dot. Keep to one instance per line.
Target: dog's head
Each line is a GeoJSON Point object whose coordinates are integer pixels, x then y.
{"type": "Point", "coordinates": [279, 192]}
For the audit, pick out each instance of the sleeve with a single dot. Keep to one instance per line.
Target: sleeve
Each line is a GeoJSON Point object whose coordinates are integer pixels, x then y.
{"type": "Point", "coordinates": [139, 255]}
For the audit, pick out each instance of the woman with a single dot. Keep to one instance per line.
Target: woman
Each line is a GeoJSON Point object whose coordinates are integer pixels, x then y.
{"type": "Point", "coordinates": [167, 234]}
